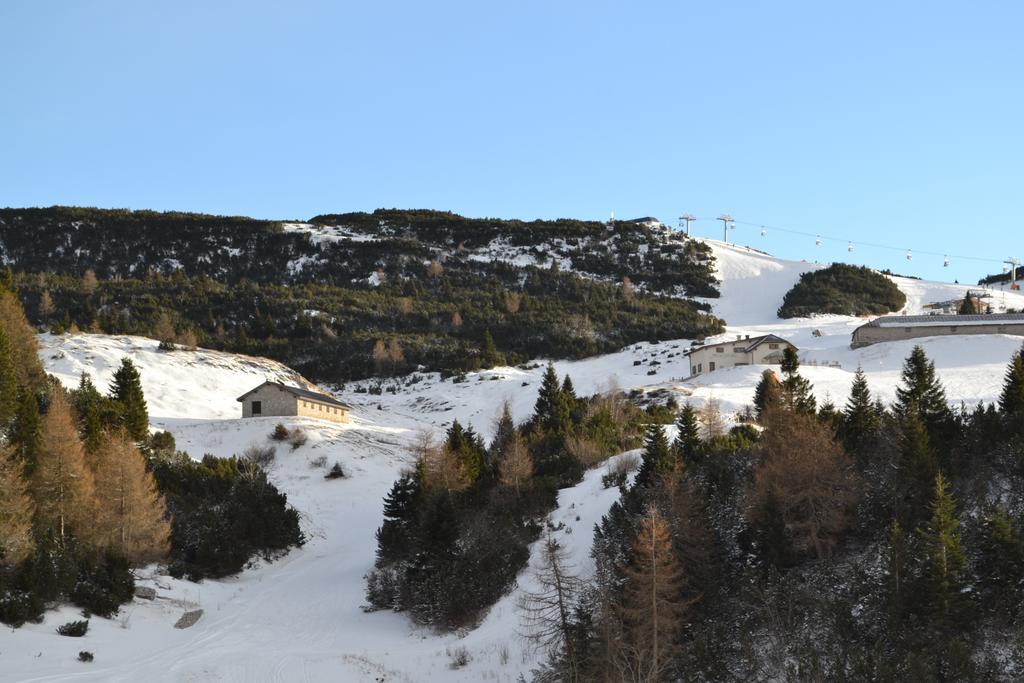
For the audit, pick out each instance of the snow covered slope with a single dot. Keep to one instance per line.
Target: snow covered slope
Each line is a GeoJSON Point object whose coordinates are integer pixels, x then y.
{"type": "Point", "coordinates": [300, 618]}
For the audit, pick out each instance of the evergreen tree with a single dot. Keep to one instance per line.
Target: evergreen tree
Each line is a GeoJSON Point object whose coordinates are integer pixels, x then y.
{"type": "Point", "coordinates": [657, 456]}
{"type": "Point", "coordinates": [88, 403]}
{"type": "Point", "coordinates": [27, 430]}
{"type": "Point", "coordinates": [861, 423]}
{"type": "Point", "coordinates": [917, 470]}
{"type": "Point", "coordinates": [1011, 401]}
{"type": "Point", "coordinates": [504, 431]}
{"type": "Point", "coordinates": [395, 535]}
{"type": "Point", "coordinates": [796, 390]}
{"type": "Point", "coordinates": [546, 409]}
{"type": "Point", "coordinates": [898, 575]}
{"type": "Point", "coordinates": [8, 382]}
{"type": "Point", "coordinates": [468, 449]}
{"type": "Point", "coordinates": [921, 391]}
{"type": "Point", "coordinates": [1002, 551]}
{"type": "Point", "coordinates": [16, 510]}
{"type": "Point", "coordinates": [653, 611]}
{"type": "Point", "coordinates": [944, 578]}
{"type": "Point", "coordinates": [126, 390]}
{"type": "Point", "coordinates": [489, 353]}
{"type": "Point", "coordinates": [62, 485]}
{"type": "Point", "coordinates": [130, 512]}
{"type": "Point", "coordinates": [688, 446]}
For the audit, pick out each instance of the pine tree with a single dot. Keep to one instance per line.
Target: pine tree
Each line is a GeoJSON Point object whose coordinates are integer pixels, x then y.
{"type": "Point", "coordinates": [945, 562]}
{"type": "Point", "coordinates": [917, 470]}
{"type": "Point", "coordinates": [126, 390]}
{"type": "Point", "coordinates": [657, 456]}
{"type": "Point", "coordinates": [88, 404]}
{"type": "Point", "coordinates": [1002, 551]}
{"type": "Point", "coordinates": [504, 431]}
{"type": "Point", "coordinates": [62, 485]}
{"type": "Point", "coordinates": [796, 390]}
{"type": "Point", "coordinates": [1011, 401]}
{"type": "Point", "coordinates": [861, 423]}
{"type": "Point", "coordinates": [547, 397]}
{"type": "Point", "coordinates": [130, 511]}
{"type": "Point", "coordinates": [688, 446]}
{"type": "Point", "coordinates": [16, 510]}
{"type": "Point", "coordinates": [921, 390]}
{"type": "Point", "coordinates": [653, 610]}
{"type": "Point", "coordinates": [27, 431]}
{"type": "Point", "coordinates": [8, 382]}
{"type": "Point", "coordinates": [489, 352]}
{"type": "Point", "coordinates": [898, 575]}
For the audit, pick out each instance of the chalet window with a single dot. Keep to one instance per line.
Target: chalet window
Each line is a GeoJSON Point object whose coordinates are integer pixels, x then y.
{"type": "Point", "coordinates": [737, 349]}
{"type": "Point", "coordinates": [720, 349]}
{"type": "Point", "coordinates": [700, 367]}
{"type": "Point", "coordinates": [257, 407]}
{"type": "Point", "coordinates": [773, 347]}
{"type": "Point", "coordinates": [711, 366]}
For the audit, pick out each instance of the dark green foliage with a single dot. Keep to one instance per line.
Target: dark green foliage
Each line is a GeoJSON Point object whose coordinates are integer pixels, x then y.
{"type": "Point", "coordinates": [26, 432]}
{"type": "Point", "coordinates": [917, 470]}
{"type": "Point", "coordinates": [254, 303]}
{"type": "Point", "coordinates": [85, 656]}
{"type": "Point", "coordinates": [1011, 400]}
{"type": "Point", "coordinates": [218, 499]}
{"type": "Point", "coordinates": [796, 391]}
{"type": "Point", "coordinates": [688, 447]}
{"type": "Point", "coordinates": [74, 629]}
{"type": "Point", "coordinates": [126, 392]}
{"type": "Point", "coordinates": [552, 410]}
{"type": "Point", "coordinates": [103, 585]}
{"type": "Point", "coordinates": [921, 392]}
{"type": "Point", "coordinates": [860, 422]}
{"type": "Point", "coordinates": [844, 290]}
{"type": "Point", "coordinates": [657, 458]}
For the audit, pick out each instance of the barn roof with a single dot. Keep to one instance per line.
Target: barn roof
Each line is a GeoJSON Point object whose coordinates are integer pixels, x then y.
{"type": "Point", "coordinates": [943, 320]}
{"type": "Point", "coordinates": [302, 393]}
{"type": "Point", "coordinates": [749, 344]}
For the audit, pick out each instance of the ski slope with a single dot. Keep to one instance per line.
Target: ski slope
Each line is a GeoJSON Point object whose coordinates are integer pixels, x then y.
{"type": "Point", "coordinates": [300, 618]}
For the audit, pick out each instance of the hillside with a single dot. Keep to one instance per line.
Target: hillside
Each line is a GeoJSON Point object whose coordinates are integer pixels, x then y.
{"type": "Point", "coordinates": [353, 295]}
{"type": "Point", "coordinates": [315, 593]}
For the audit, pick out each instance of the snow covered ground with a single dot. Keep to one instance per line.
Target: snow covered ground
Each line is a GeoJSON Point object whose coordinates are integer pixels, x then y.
{"type": "Point", "coordinates": [300, 618]}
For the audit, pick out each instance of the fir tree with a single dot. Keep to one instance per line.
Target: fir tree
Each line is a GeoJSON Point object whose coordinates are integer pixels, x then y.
{"type": "Point", "coordinates": [130, 513]}
{"type": "Point", "coordinates": [944, 575]}
{"type": "Point", "coordinates": [921, 390]}
{"type": "Point", "coordinates": [8, 382]}
{"type": "Point", "coordinates": [126, 390]}
{"type": "Point", "coordinates": [796, 390]}
{"type": "Point", "coordinates": [861, 422]}
{"type": "Point", "coordinates": [62, 485]}
{"type": "Point", "coordinates": [898, 575]}
{"type": "Point", "coordinates": [688, 446]}
{"type": "Point", "coordinates": [16, 510]}
{"type": "Point", "coordinates": [395, 535]}
{"type": "Point", "coordinates": [489, 353]}
{"type": "Point", "coordinates": [1002, 551]}
{"type": "Point", "coordinates": [504, 431]}
{"type": "Point", "coordinates": [1011, 401]}
{"type": "Point", "coordinates": [545, 410]}
{"type": "Point", "coordinates": [657, 456]}
{"type": "Point", "coordinates": [88, 404]}
{"type": "Point", "coordinates": [917, 470]}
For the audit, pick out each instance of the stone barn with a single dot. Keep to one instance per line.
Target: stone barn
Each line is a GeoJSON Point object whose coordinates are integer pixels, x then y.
{"type": "Point", "coordinates": [899, 327]}
{"type": "Point", "coordinates": [273, 398]}
{"type": "Point", "coordinates": [764, 350]}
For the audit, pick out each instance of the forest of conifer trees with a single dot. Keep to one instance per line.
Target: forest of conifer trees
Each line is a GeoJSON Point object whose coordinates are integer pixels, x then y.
{"type": "Point", "coordinates": [862, 542]}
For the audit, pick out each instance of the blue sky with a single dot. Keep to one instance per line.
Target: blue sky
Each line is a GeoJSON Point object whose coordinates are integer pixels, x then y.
{"type": "Point", "coordinates": [887, 123]}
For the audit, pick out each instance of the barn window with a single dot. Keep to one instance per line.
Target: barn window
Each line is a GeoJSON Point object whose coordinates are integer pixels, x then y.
{"type": "Point", "coordinates": [720, 349]}
{"type": "Point", "coordinates": [257, 407]}
{"type": "Point", "coordinates": [773, 347]}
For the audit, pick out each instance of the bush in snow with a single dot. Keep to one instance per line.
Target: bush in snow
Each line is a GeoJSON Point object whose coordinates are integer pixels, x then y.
{"type": "Point", "coordinates": [260, 455]}
{"type": "Point", "coordinates": [280, 432]}
{"type": "Point", "coordinates": [297, 439]}
{"type": "Point", "coordinates": [74, 629]}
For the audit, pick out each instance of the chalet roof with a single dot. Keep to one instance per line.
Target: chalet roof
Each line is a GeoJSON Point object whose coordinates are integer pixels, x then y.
{"type": "Point", "coordinates": [301, 393]}
{"type": "Point", "coordinates": [750, 343]}
{"type": "Point", "coordinates": [943, 320]}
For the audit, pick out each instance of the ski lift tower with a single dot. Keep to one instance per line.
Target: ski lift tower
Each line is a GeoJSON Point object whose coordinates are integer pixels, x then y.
{"type": "Point", "coordinates": [1012, 262]}
{"type": "Point", "coordinates": [726, 220]}
{"type": "Point", "coordinates": [685, 220]}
